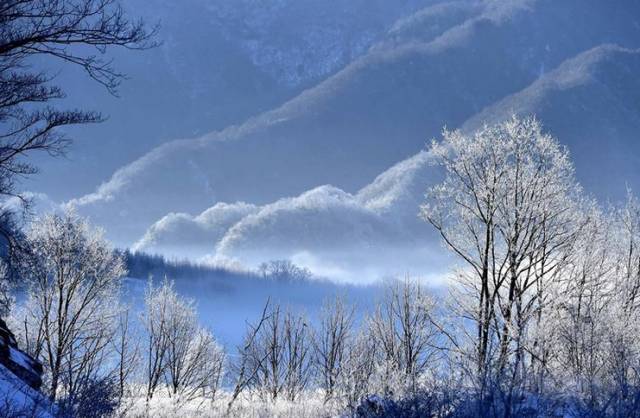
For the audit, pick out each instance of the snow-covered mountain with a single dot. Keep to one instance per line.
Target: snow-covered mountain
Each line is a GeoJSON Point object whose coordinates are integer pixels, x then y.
{"type": "Point", "coordinates": [298, 41]}
{"type": "Point", "coordinates": [592, 104]}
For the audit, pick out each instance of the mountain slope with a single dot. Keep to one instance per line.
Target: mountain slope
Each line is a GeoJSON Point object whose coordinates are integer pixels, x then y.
{"type": "Point", "coordinates": [219, 63]}
{"type": "Point", "coordinates": [377, 111]}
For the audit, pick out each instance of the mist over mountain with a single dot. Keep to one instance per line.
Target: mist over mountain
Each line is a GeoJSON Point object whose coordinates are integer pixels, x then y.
{"type": "Point", "coordinates": [381, 218]}
{"type": "Point", "coordinates": [377, 111]}
{"type": "Point", "coordinates": [352, 237]}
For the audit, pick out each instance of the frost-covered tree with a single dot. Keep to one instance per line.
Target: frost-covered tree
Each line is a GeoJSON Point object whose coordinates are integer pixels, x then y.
{"type": "Point", "coordinates": [331, 341]}
{"type": "Point", "coordinates": [72, 308]}
{"type": "Point", "coordinates": [404, 333]}
{"type": "Point", "coordinates": [179, 352]}
{"type": "Point", "coordinates": [359, 369]}
{"type": "Point", "coordinates": [507, 208]}
{"type": "Point", "coordinates": [280, 355]}
{"type": "Point", "coordinates": [154, 320]}
{"type": "Point", "coordinates": [628, 233]}
{"type": "Point", "coordinates": [283, 270]}
{"type": "Point", "coordinates": [599, 349]}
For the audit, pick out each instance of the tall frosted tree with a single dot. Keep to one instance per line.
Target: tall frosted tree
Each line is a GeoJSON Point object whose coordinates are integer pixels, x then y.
{"type": "Point", "coordinates": [506, 208]}
{"type": "Point", "coordinates": [72, 310]}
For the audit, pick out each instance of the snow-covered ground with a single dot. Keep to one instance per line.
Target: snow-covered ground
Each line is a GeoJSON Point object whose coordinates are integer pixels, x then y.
{"type": "Point", "coordinates": [249, 406]}
{"type": "Point", "coordinates": [18, 399]}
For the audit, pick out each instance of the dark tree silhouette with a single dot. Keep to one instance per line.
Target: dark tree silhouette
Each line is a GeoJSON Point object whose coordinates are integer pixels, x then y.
{"type": "Point", "coordinates": [74, 32]}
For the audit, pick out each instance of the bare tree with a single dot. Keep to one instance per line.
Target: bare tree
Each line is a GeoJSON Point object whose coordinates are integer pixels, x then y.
{"type": "Point", "coordinates": [280, 355]}
{"type": "Point", "coordinates": [403, 330]}
{"type": "Point", "coordinates": [247, 366]}
{"type": "Point", "coordinates": [72, 310]}
{"type": "Point", "coordinates": [331, 341]}
{"type": "Point", "coordinates": [74, 32]}
{"type": "Point", "coordinates": [126, 347]}
{"type": "Point", "coordinates": [269, 355]}
{"type": "Point", "coordinates": [297, 358]}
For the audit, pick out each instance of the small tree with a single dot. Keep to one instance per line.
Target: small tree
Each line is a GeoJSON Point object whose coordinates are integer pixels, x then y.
{"type": "Point", "coordinates": [283, 270]}
{"type": "Point", "coordinates": [403, 331]}
{"type": "Point", "coordinates": [358, 370]}
{"type": "Point", "coordinates": [245, 370]}
{"type": "Point", "coordinates": [280, 355]}
{"type": "Point", "coordinates": [178, 350]}
{"type": "Point", "coordinates": [331, 341]}
{"type": "Point", "coordinates": [126, 347]}
{"type": "Point", "coordinates": [154, 321]}
{"type": "Point", "coordinates": [297, 356]}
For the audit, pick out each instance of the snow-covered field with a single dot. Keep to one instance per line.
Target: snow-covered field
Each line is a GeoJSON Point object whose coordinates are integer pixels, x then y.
{"type": "Point", "coordinates": [247, 406]}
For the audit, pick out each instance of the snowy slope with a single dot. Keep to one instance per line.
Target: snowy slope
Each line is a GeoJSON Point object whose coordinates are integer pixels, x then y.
{"type": "Point", "coordinates": [18, 399]}
{"type": "Point", "coordinates": [592, 103]}
{"type": "Point", "coordinates": [20, 379]}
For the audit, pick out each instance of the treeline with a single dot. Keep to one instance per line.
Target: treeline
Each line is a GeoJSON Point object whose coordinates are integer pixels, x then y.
{"type": "Point", "coordinates": [141, 265]}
